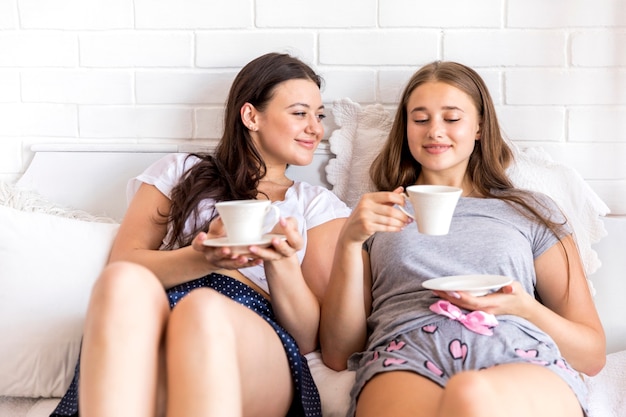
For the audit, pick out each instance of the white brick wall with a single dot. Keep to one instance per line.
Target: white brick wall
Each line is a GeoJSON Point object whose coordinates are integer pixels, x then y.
{"type": "Point", "coordinates": [142, 71]}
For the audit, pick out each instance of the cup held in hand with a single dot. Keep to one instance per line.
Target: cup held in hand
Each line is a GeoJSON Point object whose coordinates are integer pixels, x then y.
{"type": "Point", "coordinates": [434, 206]}
{"type": "Point", "coordinates": [246, 221]}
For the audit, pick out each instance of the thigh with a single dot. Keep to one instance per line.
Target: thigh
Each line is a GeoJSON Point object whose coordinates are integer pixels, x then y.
{"type": "Point", "coordinates": [397, 394]}
{"type": "Point", "coordinates": [240, 351]}
{"type": "Point", "coordinates": [514, 390]}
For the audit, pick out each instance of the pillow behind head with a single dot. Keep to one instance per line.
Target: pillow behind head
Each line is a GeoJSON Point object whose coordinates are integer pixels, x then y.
{"type": "Point", "coordinates": [361, 135]}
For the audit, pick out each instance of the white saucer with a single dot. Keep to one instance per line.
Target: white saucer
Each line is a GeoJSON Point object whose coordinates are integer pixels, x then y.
{"type": "Point", "coordinates": [475, 285]}
{"type": "Point", "coordinates": [239, 247]}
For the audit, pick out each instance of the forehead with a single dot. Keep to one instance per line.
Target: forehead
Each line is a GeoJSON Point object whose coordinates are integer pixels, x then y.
{"type": "Point", "coordinates": [434, 95]}
{"type": "Point", "coordinates": [298, 91]}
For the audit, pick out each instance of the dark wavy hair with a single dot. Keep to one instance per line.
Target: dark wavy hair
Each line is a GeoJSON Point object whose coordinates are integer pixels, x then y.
{"type": "Point", "coordinates": [233, 170]}
{"type": "Point", "coordinates": [395, 166]}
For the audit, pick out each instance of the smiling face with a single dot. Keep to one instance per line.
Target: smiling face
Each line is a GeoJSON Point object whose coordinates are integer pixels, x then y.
{"type": "Point", "coordinates": [289, 129]}
{"type": "Point", "coordinates": [442, 127]}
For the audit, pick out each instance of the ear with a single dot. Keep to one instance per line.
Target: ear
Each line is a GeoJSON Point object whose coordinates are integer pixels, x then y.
{"type": "Point", "coordinates": [479, 130]}
{"type": "Point", "coordinates": [249, 116]}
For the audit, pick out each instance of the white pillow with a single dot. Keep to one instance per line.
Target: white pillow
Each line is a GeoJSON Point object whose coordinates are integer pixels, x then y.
{"type": "Point", "coordinates": [363, 131]}
{"type": "Point", "coordinates": [48, 264]}
{"type": "Point", "coordinates": [361, 134]}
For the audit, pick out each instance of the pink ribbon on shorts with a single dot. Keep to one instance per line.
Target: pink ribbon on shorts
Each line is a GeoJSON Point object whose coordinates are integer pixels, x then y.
{"type": "Point", "coordinates": [476, 321]}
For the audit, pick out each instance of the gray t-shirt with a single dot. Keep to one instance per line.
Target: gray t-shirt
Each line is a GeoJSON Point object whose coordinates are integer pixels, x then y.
{"type": "Point", "coordinates": [487, 236]}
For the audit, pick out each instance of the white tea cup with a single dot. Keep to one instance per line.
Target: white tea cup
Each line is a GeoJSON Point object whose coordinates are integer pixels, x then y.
{"type": "Point", "coordinates": [433, 206]}
{"type": "Point", "coordinates": [246, 221]}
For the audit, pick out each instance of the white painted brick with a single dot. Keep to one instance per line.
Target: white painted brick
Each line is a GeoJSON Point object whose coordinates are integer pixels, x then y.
{"type": "Point", "coordinates": [317, 14]}
{"type": "Point", "coordinates": [506, 48]}
{"type": "Point", "coordinates": [209, 123]}
{"type": "Point", "coordinates": [493, 81]}
{"type": "Point", "coordinates": [193, 14]}
{"type": "Point", "coordinates": [393, 82]}
{"type": "Point", "coordinates": [8, 15]}
{"type": "Point", "coordinates": [602, 48]}
{"type": "Point", "coordinates": [136, 49]}
{"type": "Point", "coordinates": [9, 86]}
{"type": "Point", "coordinates": [237, 48]}
{"type": "Point", "coordinates": [359, 85]}
{"type": "Point", "coordinates": [76, 14]}
{"type": "Point", "coordinates": [363, 47]}
{"type": "Point", "coordinates": [77, 86]}
{"type": "Point", "coordinates": [599, 161]}
{"type": "Point", "coordinates": [183, 87]}
{"type": "Point", "coordinates": [565, 87]}
{"type": "Point", "coordinates": [52, 120]}
{"type": "Point", "coordinates": [540, 124]}
{"type": "Point", "coordinates": [597, 124]}
{"type": "Point", "coordinates": [441, 13]}
{"type": "Point", "coordinates": [38, 49]}
{"type": "Point", "coordinates": [135, 122]}
{"type": "Point", "coordinates": [565, 13]}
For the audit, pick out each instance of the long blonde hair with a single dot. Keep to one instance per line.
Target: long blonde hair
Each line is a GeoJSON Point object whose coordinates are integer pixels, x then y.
{"type": "Point", "coordinates": [395, 165]}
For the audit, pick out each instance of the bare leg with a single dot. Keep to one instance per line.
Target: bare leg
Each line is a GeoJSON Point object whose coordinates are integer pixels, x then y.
{"type": "Point", "coordinates": [399, 394]}
{"type": "Point", "coordinates": [224, 360]}
{"type": "Point", "coordinates": [515, 390]}
{"type": "Point", "coordinates": [123, 335]}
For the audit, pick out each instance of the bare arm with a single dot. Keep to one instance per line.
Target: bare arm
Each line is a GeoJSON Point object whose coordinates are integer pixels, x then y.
{"type": "Point", "coordinates": [566, 311]}
{"type": "Point", "coordinates": [572, 320]}
{"type": "Point", "coordinates": [140, 236]}
{"type": "Point", "coordinates": [347, 303]}
{"type": "Point", "coordinates": [296, 289]}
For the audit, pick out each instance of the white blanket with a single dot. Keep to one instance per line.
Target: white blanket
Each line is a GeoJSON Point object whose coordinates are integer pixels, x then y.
{"type": "Point", "coordinates": [607, 390]}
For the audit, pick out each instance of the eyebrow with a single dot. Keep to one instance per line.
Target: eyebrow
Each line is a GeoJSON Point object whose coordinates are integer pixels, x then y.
{"type": "Point", "coordinates": [305, 105]}
{"type": "Point", "coordinates": [415, 109]}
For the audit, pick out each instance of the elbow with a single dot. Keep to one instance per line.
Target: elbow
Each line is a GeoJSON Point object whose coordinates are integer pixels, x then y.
{"type": "Point", "coordinates": [593, 367]}
{"type": "Point", "coordinates": [334, 362]}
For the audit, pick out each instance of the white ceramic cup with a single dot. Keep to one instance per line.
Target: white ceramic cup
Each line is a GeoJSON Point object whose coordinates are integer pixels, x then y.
{"type": "Point", "coordinates": [246, 221]}
{"type": "Point", "coordinates": [434, 206]}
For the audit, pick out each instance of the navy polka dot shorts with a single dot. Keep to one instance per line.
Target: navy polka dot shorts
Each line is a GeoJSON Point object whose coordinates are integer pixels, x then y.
{"type": "Point", "coordinates": [306, 402]}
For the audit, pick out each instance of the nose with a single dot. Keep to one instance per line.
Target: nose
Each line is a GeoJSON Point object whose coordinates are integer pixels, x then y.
{"type": "Point", "coordinates": [315, 126]}
{"type": "Point", "coordinates": [436, 129]}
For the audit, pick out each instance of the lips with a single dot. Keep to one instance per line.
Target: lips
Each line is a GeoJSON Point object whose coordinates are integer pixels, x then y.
{"type": "Point", "coordinates": [309, 144]}
{"type": "Point", "coordinates": [436, 148]}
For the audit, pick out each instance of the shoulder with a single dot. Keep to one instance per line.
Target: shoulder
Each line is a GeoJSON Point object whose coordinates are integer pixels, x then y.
{"type": "Point", "coordinates": [316, 194]}
{"type": "Point", "coordinates": [316, 203]}
{"type": "Point", "coordinates": [164, 173]}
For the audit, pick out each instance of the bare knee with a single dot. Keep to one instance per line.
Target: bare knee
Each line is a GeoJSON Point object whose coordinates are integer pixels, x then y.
{"type": "Point", "coordinates": [124, 293]}
{"type": "Point", "coordinates": [203, 313]}
{"type": "Point", "coordinates": [467, 394]}
{"type": "Point", "coordinates": [126, 281]}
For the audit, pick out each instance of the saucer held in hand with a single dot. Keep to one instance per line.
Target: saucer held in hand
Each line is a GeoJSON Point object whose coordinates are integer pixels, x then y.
{"type": "Point", "coordinates": [241, 248]}
{"type": "Point", "coordinates": [475, 285]}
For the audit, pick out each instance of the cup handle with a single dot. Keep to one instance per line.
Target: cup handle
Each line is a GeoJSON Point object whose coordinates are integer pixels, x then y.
{"type": "Point", "coordinates": [273, 213]}
{"type": "Point", "coordinates": [402, 209]}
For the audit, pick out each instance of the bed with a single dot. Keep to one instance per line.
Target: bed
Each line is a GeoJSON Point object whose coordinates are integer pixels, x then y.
{"type": "Point", "coordinates": [60, 218]}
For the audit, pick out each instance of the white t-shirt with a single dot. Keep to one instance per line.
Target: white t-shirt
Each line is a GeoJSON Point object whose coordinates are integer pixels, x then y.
{"type": "Point", "coordinates": [310, 205]}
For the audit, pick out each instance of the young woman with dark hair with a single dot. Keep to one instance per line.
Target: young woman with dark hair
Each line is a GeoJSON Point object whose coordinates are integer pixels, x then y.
{"type": "Point", "coordinates": [178, 328]}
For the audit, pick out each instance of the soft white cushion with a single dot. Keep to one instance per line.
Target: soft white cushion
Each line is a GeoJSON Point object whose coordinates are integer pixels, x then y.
{"type": "Point", "coordinates": [48, 264]}
{"type": "Point", "coordinates": [334, 387]}
{"type": "Point", "coordinates": [363, 131]}
{"type": "Point", "coordinates": [361, 134]}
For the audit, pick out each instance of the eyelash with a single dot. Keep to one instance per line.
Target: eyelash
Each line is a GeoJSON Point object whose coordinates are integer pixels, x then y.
{"type": "Point", "coordinates": [303, 114]}
{"type": "Point", "coordinates": [426, 120]}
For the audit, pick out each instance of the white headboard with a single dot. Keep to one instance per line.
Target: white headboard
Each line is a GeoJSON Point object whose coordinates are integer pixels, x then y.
{"type": "Point", "coordinates": [93, 177]}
